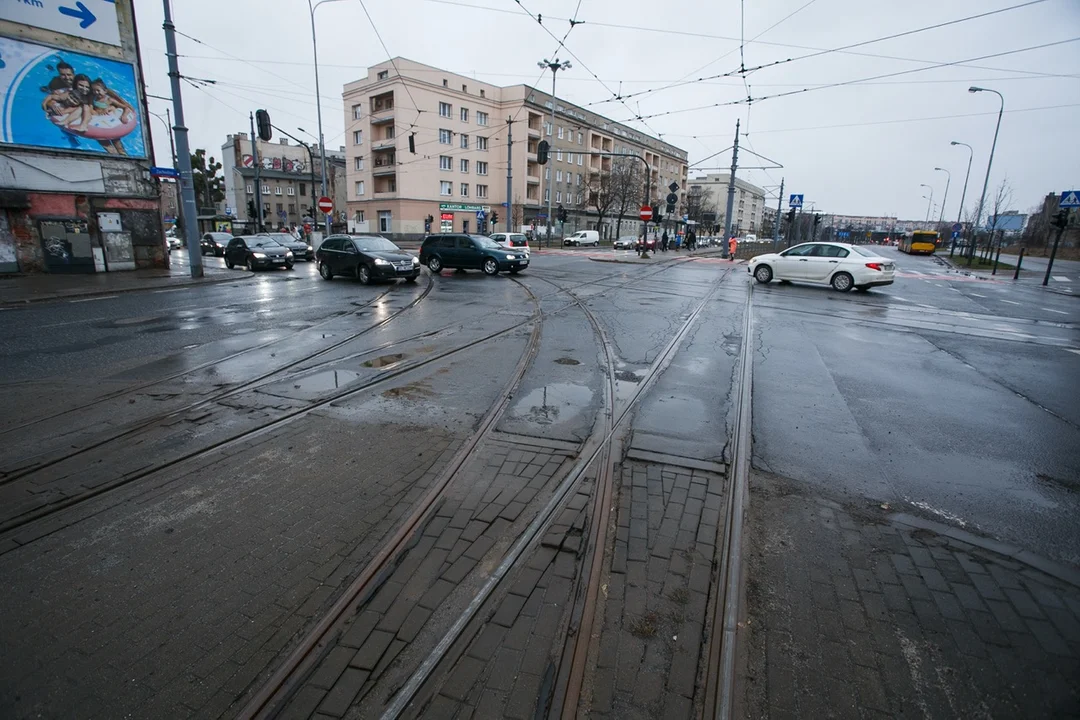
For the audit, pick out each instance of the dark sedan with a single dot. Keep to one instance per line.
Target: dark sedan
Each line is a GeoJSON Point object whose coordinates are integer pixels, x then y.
{"type": "Point", "coordinates": [257, 251]}
{"type": "Point", "coordinates": [300, 249]}
{"type": "Point", "coordinates": [214, 243]}
{"type": "Point", "coordinates": [365, 257]}
{"type": "Point", "coordinates": [470, 252]}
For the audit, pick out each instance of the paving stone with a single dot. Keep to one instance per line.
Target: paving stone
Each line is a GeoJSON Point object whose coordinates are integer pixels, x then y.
{"type": "Point", "coordinates": [345, 690]}
{"type": "Point", "coordinates": [413, 623]}
{"type": "Point", "coordinates": [462, 678]}
{"type": "Point", "coordinates": [1024, 603]}
{"type": "Point", "coordinates": [367, 657]}
{"type": "Point", "coordinates": [331, 667]}
{"type": "Point", "coordinates": [436, 594]}
{"type": "Point", "coordinates": [487, 642]}
{"type": "Point", "coordinates": [521, 703]}
{"type": "Point", "coordinates": [508, 611]}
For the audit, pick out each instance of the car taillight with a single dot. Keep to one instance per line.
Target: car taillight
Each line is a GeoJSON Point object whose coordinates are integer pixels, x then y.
{"type": "Point", "coordinates": [874, 266]}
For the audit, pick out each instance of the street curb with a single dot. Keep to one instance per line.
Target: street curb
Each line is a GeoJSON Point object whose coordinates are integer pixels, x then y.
{"type": "Point", "coordinates": [638, 261]}
{"type": "Point", "coordinates": [1065, 573]}
{"type": "Point", "coordinates": [246, 275]}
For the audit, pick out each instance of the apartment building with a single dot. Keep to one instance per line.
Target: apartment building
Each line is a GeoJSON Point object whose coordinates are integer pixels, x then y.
{"type": "Point", "coordinates": [459, 132]}
{"type": "Point", "coordinates": [749, 208]}
{"type": "Point", "coordinates": [289, 184]}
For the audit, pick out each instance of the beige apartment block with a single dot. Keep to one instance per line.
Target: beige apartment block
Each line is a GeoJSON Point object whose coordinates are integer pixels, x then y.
{"type": "Point", "coordinates": [749, 206]}
{"type": "Point", "coordinates": [459, 128]}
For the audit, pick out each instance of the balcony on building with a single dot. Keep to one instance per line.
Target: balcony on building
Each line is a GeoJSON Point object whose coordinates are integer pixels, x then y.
{"type": "Point", "coordinates": [382, 108]}
{"type": "Point", "coordinates": [534, 125]}
{"type": "Point", "coordinates": [384, 164]}
{"type": "Point", "coordinates": [385, 187]}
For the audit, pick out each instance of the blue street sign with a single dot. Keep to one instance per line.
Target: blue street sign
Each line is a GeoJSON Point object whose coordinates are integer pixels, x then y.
{"type": "Point", "coordinates": [480, 215]}
{"type": "Point", "coordinates": [955, 234]}
{"type": "Point", "coordinates": [1070, 199]}
{"type": "Point", "coordinates": [164, 172]}
{"type": "Point", "coordinates": [957, 227]}
{"type": "Point", "coordinates": [795, 201]}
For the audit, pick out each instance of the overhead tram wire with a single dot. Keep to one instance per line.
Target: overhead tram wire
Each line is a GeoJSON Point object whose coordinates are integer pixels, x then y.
{"type": "Point", "coordinates": [861, 80]}
{"type": "Point", "coordinates": [818, 52]}
{"type": "Point", "coordinates": [393, 63]}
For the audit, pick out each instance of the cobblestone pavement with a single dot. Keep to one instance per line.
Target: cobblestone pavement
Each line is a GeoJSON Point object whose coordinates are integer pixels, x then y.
{"type": "Point", "coordinates": [852, 613]}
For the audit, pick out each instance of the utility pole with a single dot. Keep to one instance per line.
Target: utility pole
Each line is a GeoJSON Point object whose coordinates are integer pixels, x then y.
{"type": "Point", "coordinates": [187, 188]}
{"type": "Point", "coordinates": [731, 185]}
{"type": "Point", "coordinates": [256, 163]}
{"type": "Point", "coordinates": [776, 225]}
{"type": "Point", "coordinates": [509, 175]}
{"type": "Point", "coordinates": [555, 67]}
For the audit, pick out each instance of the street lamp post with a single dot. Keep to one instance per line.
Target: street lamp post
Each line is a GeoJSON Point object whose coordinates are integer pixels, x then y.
{"type": "Point", "coordinates": [318, 105]}
{"type": "Point", "coordinates": [168, 128]}
{"type": "Point", "coordinates": [948, 181]}
{"type": "Point", "coordinates": [963, 195]}
{"type": "Point", "coordinates": [930, 200]}
{"type": "Point", "coordinates": [555, 66]}
{"type": "Point", "coordinates": [989, 163]}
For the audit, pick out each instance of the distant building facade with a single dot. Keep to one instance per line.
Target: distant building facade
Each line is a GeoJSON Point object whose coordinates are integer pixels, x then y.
{"type": "Point", "coordinates": [749, 206]}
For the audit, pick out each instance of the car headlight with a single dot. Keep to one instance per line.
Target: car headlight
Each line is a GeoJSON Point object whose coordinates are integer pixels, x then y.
{"type": "Point", "coordinates": [289, 254]}
{"type": "Point", "coordinates": [416, 260]}
{"type": "Point", "coordinates": [309, 248]}
{"type": "Point", "coordinates": [509, 257]}
{"type": "Point", "coordinates": [258, 256]}
{"type": "Point", "coordinates": [380, 261]}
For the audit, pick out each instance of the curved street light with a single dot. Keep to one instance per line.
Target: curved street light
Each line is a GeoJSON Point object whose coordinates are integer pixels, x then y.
{"type": "Point", "coordinates": [963, 195]}
{"type": "Point", "coordinates": [945, 199]}
{"type": "Point", "coordinates": [554, 66]}
{"type": "Point", "coordinates": [931, 199]}
{"type": "Point", "coordinates": [989, 163]}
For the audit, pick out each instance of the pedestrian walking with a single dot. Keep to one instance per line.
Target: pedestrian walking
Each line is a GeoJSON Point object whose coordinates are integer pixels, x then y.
{"type": "Point", "coordinates": [664, 242]}
{"type": "Point", "coordinates": [691, 240]}
{"type": "Point", "coordinates": [733, 245]}
{"type": "Point", "coordinates": [678, 241]}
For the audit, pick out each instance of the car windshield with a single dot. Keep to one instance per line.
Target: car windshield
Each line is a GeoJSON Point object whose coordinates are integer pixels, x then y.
{"type": "Point", "coordinates": [281, 238]}
{"type": "Point", "coordinates": [266, 243]}
{"type": "Point", "coordinates": [375, 244]}
{"type": "Point", "coordinates": [485, 243]}
{"type": "Point", "coordinates": [865, 252]}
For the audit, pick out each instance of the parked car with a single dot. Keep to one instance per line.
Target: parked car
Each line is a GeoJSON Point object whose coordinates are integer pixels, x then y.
{"type": "Point", "coordinates": [214, 243]}
{"type": "Point", "coordinates": [583, 237]}
{"type": "Point", "coordinates": [650, 244]}
{"type": "Point", "coordinates": [174, 242]}
{"type": "Point", "coordinates": [511, 240]}
{"type": "Point", "coordinates": [257, 251]}
{"type": "Point", "coordinates": [626, 242]}
{"type": "Point", "coordinates": [838, 264]}
{"type": "Point", "coordinates": [365, 257]}
{"type": "Point", "coordinates": [470, 252]}
{"type": "Point", "coordinates": [300, 249]}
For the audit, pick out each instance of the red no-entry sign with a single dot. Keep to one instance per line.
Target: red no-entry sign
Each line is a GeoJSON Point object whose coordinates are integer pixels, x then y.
{"type": "Point", "coordinates": [326, 204]}
{"type": "Point", "coordinates": [646, 213]}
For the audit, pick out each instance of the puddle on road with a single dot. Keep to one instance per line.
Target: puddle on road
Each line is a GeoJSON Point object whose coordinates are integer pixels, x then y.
{"type": "Point", "coordinates": [552, 403]}
{"type": "Point", "coordinates": [326, 380]}
{"type": "Point", "coordinates": [627, 376]}
{"type": "Point", "coordinates": [385, 361]}
{"type": "Point", "coordinates": [413, 391]}
{"type": "Point", "coordinates": [567, 361]}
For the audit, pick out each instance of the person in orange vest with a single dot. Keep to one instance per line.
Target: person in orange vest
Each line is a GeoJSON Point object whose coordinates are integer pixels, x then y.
{"type": "Point", "coordinates": [733, 245]}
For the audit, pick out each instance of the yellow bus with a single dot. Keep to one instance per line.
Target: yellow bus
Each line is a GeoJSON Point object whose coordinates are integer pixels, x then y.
{"type": "Point", "coordinates": [920, 242]}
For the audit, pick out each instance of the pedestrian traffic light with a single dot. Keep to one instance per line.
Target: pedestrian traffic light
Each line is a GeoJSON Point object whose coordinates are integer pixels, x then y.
{"type": "Point", "coordinates": [542, 152]}
{"type": "Point", "coordinates": [262, 121]}
{"type": "Point", "coordinates": [494, 217]}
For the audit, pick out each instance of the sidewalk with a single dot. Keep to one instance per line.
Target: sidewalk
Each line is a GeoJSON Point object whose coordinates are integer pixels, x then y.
{"type": "Point", "coordinates": [22, 289]}
{"type": "Point", "coordinates": [631, 258]}
{"type": "Point", "coordinates": [1031, 272]}
{"type": "Point", "coordinates": [853, 611]}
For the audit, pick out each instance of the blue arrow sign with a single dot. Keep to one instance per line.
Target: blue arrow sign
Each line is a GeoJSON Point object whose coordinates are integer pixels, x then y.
{"type": "Point", "coordinates": [83, 14]}
{"type": "Point", "coordinates": [1070, 199]}
{"type": "Point", "coordinates": [795, 201]}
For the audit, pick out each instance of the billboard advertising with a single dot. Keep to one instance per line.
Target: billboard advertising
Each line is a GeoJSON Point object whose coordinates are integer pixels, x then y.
{"type": "Point", "coordinates": [66, 100]}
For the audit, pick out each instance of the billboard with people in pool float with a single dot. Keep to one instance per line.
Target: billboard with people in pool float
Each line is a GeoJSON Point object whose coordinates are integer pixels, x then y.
{"type": "Point", "coordinates": [68, 101]}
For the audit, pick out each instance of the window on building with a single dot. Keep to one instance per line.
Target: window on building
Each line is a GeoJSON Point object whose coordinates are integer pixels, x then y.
{"type": "Point", "coordinates": [481, 143]}
{"type": "Point", "coordinates": [250, 189]}
{"type": "Point", "coordinates": [482, 94]}
{"type": "Point", "coordinates": [384, 221]}
{"type": "Point", "coordinates": [547, 194]}
{"type": "Point", "coordinates": [446, 188]}
{"type": "Point", "coordinates": [444, 109]}
{"type": "Point", "coordinates": [481, 191]}
{"type": "Point", "coordinates": [580, 158]}
{"type": "Point", "coordinates": [558, 176]}
{"type": "Point", "coordinates": [265, 189]}
{"type": "Point", "coordinates": [464, 114]}
{"type": "Point", "coordinates": [481, 117]}
{"type": "Point", "coordinates": [481, 167]}
{"type": "Point", "coordinates": [558, 155]}
{"type": "Point", "coordinates": [277, 190]}
{"type": "Point", "coordinates": [464, 88]}
{"type": "Point", "coordinates": [280, 208]}
{"type": "Point", "coordinates": [292, 208]}
{"type": "Point", "coordinates": [359, 216]}
{"type": "Point", "coordinates": [266, 209]}
{"type": "Point", "coordinates": [560, 132]}
{"type": "Point", "coordinates": [290, 190]}
{"type": "Point", "coordinates": [389, 132]}
{"type": "Point", "coordinates": [357, 112]}
{"type": "Point", "coordinates": [383, 74]}
{"type": "Point", "coordinates": [358, 137]}
{"type": "Point", "coordinates": [445, 83]}
{"type": "Point", "coordinates": [580, 138]}
{"type": "Point", "coordinates": [445, 136]}
{"type": "Point", "coordinates": [579, 179]}
{"type": "Point", "coordinates": [359, 187]}
{"type": "Point", "coordinates": [464, 189]}
{"type": "Point", "coordinates": [464, 165]}
{"type": "Point", "coordinates": [464, 142]}
{"type": "Point", "coordinates": [446, 162]}
{"type": "Point", "coordinates": [303, 189]}
{"type": "Point", "coordinates": [358, 162]}
{"type": "Point", "coordinates": [558, 196]}
{"type": "Point", "coordinates": [547, 129]}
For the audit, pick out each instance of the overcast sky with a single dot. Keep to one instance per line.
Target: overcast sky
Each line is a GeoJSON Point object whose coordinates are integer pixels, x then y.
{"type": "Point", "coordinates": [862, 148]}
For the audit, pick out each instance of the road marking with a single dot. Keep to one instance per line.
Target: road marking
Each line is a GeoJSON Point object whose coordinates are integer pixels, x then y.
{"type": "Point", "coordinates": [977, 295]}
{"type": "Point", "coordinates": [1061, 278]}
{"type": "Point", "coordinates": [1073, 350]}
{"type": "Point", "coordinates": [158, 292]}
{"type": "Point", "coordinates": [1011, 302]}
{"type": "Point", "coordinates": [104, 297]}
{"type": "Point", "coordinates": [901, 299]}
{"type": "Point", "coordinates": [1059, 312]}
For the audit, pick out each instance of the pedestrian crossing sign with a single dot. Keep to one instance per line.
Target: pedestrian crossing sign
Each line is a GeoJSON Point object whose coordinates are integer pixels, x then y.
{"type": "Point", "coordinates": [1070, 199]}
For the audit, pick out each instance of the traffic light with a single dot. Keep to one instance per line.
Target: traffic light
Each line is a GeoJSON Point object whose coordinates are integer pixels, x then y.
{"type": "Point", "coordinates": [562, 214]}
{"type": "Point", "coordinates": [494, 217]}
{"type": "Point", "coordinates": [542, 152]}
{"type": "Point", "coordinates": [1061, 218]}
{"type": "Point", "coordinates": [817, 219]}
{"type": "Point", "coordinates": [262, 121]}
{"type": "Point", "coordinates": [412, 143]}
{"type": "Point", "coordinates": [670, 209]}
{"type": "Point", "coordinates": [791, 216]}
{"type": "Point", "coordinates": [656, 216]}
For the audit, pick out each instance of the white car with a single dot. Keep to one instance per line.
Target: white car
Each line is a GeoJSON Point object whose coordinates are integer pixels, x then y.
{"type": "Point", "coordinates": [838, 264]}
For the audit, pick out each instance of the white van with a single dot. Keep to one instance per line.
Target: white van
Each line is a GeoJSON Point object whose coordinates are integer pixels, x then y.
{"type": "Point", "coordinates": [583, 237]}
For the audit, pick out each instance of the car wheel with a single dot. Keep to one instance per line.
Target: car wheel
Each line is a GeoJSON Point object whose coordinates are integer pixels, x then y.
{"type": "Point", "coordinates": [491, 267]}
{"type": "Point", "coordinates": [326, 272]}
{"type": "Point", "coordinates": [363, 274]}
{"type": "Point", "coordinates": [229, 263]}
{"type": "Point", "coordinates": [434, 264]}
{"type": "Point", "coordinates": [763, 274]}
{"type": "Point", "coordinates": [842, 282]}
{"type": "Point", "coordinates": [288, 266]}
{"type": "Point", "coordinates": [251, 265]}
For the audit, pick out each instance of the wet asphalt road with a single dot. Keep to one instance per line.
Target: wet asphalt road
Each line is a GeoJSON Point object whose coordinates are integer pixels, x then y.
{"type": "Point", "coordinates": [941, 395]}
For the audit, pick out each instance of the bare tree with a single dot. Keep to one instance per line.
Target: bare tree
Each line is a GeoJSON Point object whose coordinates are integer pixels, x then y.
{"type": "Point", "coordinates": [517, 213]}
{"type": "Point", "coordinates": [626, 180]}
{"type": "Point", "coordinates": [699, 202]}
{"type": "Point", "coordinates": [1000, 202]}
{"type": "Point", "coordinates": [600, 195]}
